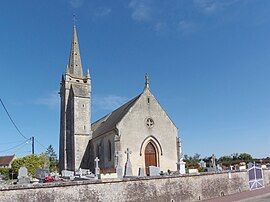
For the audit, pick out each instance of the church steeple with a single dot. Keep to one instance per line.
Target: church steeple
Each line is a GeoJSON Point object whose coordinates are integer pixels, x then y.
{"type": "Point", "coordinates": [75, 63]}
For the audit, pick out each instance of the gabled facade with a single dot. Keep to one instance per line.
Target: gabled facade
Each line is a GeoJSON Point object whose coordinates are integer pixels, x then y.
{"type": "Point", "coordinates": [141, 126]}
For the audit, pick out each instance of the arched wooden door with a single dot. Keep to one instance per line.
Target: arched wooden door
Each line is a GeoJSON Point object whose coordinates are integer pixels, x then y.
{"type": "Point", "coordinates": [150, 156]}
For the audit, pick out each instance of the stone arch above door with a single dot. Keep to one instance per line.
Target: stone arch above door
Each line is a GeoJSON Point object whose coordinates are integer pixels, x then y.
{"type": "Point", "coordinates": [156, 143]}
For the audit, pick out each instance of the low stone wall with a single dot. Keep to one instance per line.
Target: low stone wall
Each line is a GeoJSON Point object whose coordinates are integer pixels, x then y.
{"type": "Point", "coordinates": [178, 188]}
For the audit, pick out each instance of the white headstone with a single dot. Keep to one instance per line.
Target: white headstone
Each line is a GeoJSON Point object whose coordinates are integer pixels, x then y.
{"type": "Point", "coordinates": [23, 172]}
{"type": "Point", "coordinates": [67, 173]}
{"type": "Point", "coordinates": [154, 171]}
{"type": "Point", "coordinates": [182, 169]}
{"type": "Point", "coordinates": [193, 171]}
{"type": "Point", "coordinates": [202, 164]}
{"type": "Point", "coordinates": [23, 177]}
{"type": "Point", "coordinates": [141, 172]}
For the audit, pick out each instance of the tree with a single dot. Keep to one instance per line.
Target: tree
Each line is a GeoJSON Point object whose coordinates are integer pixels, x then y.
{"type": "Point", "coordinates": [245, 157]}
{"type": "Point", "coordinates": [235, 156]}
{"type": "Point", "coordinates": [31, 162]}
{"type": "Point", "coordinates": [51, 154]}
{"type": "Point", "coordinates": [192, 161]}
{"type": "Point", "coordinates": [5, 172]}
{"type": "Point", "coordinates": [225, 160]}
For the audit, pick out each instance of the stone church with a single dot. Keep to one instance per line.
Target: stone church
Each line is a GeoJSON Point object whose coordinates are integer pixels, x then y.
{"type": "Point", "coordinates": [140, 128]}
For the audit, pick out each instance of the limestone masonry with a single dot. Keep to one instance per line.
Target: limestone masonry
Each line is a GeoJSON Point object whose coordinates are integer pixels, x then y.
{"type": "Point", "coordinates": [140, 126]}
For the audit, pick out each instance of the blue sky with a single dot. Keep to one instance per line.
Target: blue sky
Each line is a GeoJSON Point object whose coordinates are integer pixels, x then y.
{"type": "Point", "coordinates": [208, 60]}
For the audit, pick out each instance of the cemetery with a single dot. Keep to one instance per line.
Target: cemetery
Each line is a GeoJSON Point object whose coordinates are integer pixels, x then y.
{"type": "Point", "coordinates": [119, 183]}
{"type": "Point", "coordinates": [174, 187]}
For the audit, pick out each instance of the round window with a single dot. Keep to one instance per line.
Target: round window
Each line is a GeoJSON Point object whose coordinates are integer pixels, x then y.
{"type": "Point", "coordinates": [149, 122]}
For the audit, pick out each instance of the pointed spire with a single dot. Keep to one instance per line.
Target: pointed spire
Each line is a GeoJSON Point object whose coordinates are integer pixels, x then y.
{"type": "Point", "coordinates": [75, 63]}
{"type": "Point", "coordinates": [147, 81]}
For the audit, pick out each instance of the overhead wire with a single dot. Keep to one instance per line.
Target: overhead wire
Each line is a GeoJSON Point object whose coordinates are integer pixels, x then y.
{"type": "Point", "coordinates": [20, 147]}
{"type": "Point", "coordinates": [40, 143]}
{"type": "Point", "coordinates": [14, 124]}
{"type": "Point", "coordinates": [24, 142]}
{"type": "Point", "coordinates": [12, 121]}
{"type": "Point", "coordinates": [4, 143]}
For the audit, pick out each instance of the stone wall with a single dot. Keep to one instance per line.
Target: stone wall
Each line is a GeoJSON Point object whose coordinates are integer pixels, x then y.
{"type": "Point", "coordinates": [185, 188]}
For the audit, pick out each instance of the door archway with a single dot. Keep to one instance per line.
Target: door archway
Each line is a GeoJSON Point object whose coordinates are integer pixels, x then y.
{"type": "Point", "coordinates": [150, 154]}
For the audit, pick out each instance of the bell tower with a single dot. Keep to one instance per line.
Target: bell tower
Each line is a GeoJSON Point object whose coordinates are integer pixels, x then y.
{"type": "Point", "coordinates": [75, 113]}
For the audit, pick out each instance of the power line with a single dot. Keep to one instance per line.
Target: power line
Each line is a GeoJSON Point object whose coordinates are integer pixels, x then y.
{"type": "Point", "coordinates": [4, 143]}
{"type": "Point", "coordinates": [12, 120]}
{"type": "Point", "coordinates": [20, 148]}
{"type": "Point", "coordinates": [24, 142]}
{"type": "Point", "coordinates": [40, 143]}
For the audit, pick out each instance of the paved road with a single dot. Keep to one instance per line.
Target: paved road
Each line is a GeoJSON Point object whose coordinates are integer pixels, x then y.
{"type": "Point", "coordinates": [260, 195]}
{"type": "Point", "coordinates": [261, 198]}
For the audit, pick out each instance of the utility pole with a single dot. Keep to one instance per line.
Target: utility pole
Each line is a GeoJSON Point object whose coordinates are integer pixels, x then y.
{"type": "Point", "coordinates": [33, 145]}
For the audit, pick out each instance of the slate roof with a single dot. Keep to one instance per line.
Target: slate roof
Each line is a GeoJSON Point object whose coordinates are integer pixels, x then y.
{"type": "Point", "coordinates": [109, 122]}
{"type": "Point", "coordinates": [6, 160]}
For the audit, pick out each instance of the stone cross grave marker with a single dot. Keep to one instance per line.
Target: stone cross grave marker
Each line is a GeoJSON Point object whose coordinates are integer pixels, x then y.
{"type": "Point", "coordinates": [213, 160]}
{"type": "Point", "coordinates": [128, 167]}
{"type": "Point", "coordinates": [97, 170]}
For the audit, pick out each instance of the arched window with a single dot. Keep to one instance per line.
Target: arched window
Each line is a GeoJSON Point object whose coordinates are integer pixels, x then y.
{"type": "Point", "coordinates": [109, 150]}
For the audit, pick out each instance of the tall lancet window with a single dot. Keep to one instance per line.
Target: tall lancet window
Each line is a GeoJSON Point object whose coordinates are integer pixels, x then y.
{"type": "Point", "coordinates": [109, 150]}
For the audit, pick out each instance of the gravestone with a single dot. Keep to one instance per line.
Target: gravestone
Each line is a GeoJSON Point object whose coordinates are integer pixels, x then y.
{"type": "Point", "coordinates": [154, 171]}
{"type": "Point", "coordinates": [219, 168]}
{"type": "Point", "coordinates": [213, 162]}
{"type": "Point", "coordinates": [118, 168]}
{"type": "Point", "coordinates": [97, 170]}
{"type": "Point", "coordinates": [128, 167]}
{"type": "Point", "coordinates": [23, 177]}
{"type": "Point", "coordinates": [42, 173]}
{"type": "Point", "coordinates": [193, 171]}
{"type": "Point", "coordinates": [141, 172]}
{"type": "Point", "coordinates": [67, 173]}
{"type": "Point", "coordinates": [79, 172]}
{"type": "Point", "coordinates": [182, 166]}
{"type": "Point", "coordinates": [202, 164]}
